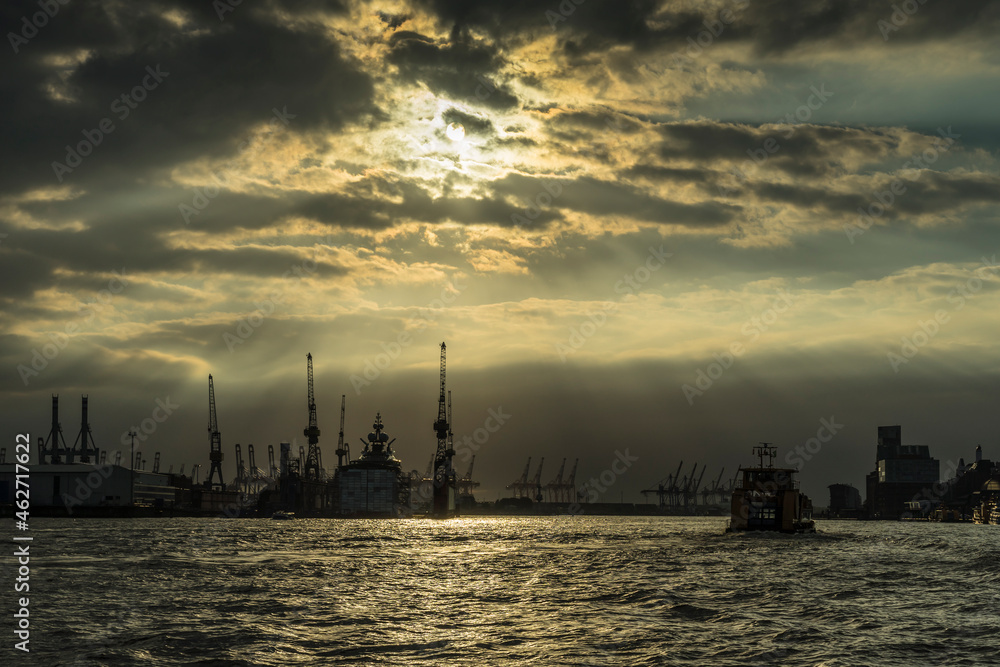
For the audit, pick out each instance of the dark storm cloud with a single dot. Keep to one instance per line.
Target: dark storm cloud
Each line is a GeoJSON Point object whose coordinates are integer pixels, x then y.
{"type": "Point", "coordinates": [463, 68]}
{"type": "Point", "coordinates": [472, 124]}
{"type": "Point", "coordinates": [661, 173]}
{"type": "Point", "coordinates": [922, 193]}
{"type": "Point", "coordinates": [217, 80]}
{"type": "Point", "coordinates": [771, 26]}
{"type": "Point", "coordinates": [593, 196]}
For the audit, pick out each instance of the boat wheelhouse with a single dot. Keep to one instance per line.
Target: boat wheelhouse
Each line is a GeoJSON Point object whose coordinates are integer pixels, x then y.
{"type": "Point", "coordinates": [768, 498]}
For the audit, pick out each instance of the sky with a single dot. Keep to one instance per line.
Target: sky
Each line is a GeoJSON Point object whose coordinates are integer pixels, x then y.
{"type": "Point", "coordinates": [649, 232]}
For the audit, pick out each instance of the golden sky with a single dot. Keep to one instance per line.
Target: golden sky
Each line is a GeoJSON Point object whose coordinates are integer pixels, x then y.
{"type": "Point", "coordinates": [591, 203]}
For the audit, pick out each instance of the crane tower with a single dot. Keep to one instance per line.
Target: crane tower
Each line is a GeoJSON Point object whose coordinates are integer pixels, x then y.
{"type": "Point", "coordinates": [215, 441]}
{"type": "Point", "coordinates": [443, 505]}
{"type": "Point", "coordinates": [312, 431]}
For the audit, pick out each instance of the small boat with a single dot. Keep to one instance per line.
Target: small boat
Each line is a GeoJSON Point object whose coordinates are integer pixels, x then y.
{"type": "Point", "coordinates": [283, 516]}
{"type": "Point", "coordinates": [768, 498]}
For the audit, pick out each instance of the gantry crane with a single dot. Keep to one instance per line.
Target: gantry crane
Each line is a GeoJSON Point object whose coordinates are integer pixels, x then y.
{"type": "Point", "coordinates": [272, 469]}
{"type": "Point", "coordinates": [553, 488]}
{"type": "Point", "coordinates": [519, 485]}
{"type": "Point", "coordinates": [52, 447]}
{"type": "Point", "coordinates": [662, 490]}
{"type": "Point", "coordinates": [443, 505]}
{"type": "Point", "coordinates": [85, 438]}
{"type": "Point", "coordinates": [312, 469]}
{"type": "Point", "coordinates": [536, 483]}
{"type": "Point", "coordinates": [215, 441]}
{"type": "Point", "coordinates": [570, 488]}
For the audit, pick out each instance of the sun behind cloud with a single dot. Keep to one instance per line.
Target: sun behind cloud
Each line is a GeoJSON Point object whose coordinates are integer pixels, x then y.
{"type": "Point", "coordinates": [455, 132]}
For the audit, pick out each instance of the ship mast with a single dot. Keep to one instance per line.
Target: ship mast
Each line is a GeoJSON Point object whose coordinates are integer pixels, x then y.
{"type": "Point", "coordinates": [765, 449]}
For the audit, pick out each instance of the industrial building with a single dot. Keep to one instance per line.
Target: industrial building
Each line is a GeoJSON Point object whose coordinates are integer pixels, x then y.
{"type": "Point", "coordinates": [903, 474]}
{"type": "Point", "coordinates": [845, 501]}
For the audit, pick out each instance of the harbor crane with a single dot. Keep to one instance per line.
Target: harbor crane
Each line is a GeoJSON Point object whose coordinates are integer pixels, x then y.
{"type": "Point", "coordinates": [519, 485]}
{"type": "Point", "coordinates": [271, 467]}
{"type": "Point", "coordinates": [536, 483]}
{"type": "Point", "coordinates": [554, 487]}
{"type": "Point", "coordinates": [52, 447]}
{"type": "Point", "coordinates": [443, 505]}
{"type": "Point", "coordinates": [312, 468]}
{"type": "Point", "coordinates": [215, 442]}
{"type": "Point", "coordinates": [662, 490]}
{"type": "Point", "coordinates": [240, 481]}
{"type": "Point", "coordinates": [343, 450]}
{"type": "Point", "coordinates": [570, 488]}
{"type": "Point", "coordinates": [85, 438]}
{"type": "Point", "coordinates": [712, 494]}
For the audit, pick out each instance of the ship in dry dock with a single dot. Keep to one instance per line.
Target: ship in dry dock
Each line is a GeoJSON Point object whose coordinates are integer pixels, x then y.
{"type": "Point", "coordinates": [768, 498]}
{"type": "Point", "coordinates": [373, 485]}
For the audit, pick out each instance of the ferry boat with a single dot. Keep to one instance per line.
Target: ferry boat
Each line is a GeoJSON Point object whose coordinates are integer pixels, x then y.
{"type": "Point", "coordinates": [768, 498]}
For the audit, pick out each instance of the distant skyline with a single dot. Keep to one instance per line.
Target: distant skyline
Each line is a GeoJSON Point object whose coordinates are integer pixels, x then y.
{"type": "Point", "coordinates": [671, 228]}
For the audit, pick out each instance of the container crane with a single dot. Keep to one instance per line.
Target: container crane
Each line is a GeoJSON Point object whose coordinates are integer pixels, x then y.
{"type": "Point", "coordinates": [85, 438]}
{"type": "Point", "coordinates": [215, 442]}
{"type": "Point", "coordinates": [312, 431]}
{"type": "Point", "coordinates": [675, 488]}
{"type": "Point", "coordinates": [570, 488]}
{"type": "Point", "coordinates": [521, 483]}
{"type": "Point", "coordinates": [51, 446]}
{"type": "Point", "coordinates": [553, 487]}
{"type": "Point", "coordinates": [536, 482]}
{"type": "Point", "coordinates": [662, 490]}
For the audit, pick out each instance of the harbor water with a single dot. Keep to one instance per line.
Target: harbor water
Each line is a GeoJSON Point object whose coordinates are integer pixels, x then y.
{"type": "Point", "coordinates": [508, 591]}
